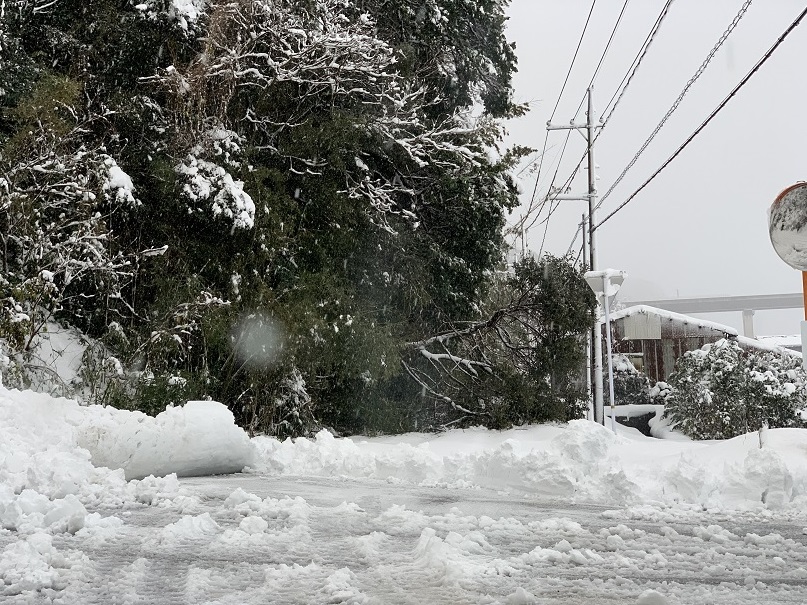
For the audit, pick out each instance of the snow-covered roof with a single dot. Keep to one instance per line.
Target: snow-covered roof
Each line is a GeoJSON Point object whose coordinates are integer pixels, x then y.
{"type": "Point", "coordinates": [790, 340]}
{"type": "Point", "coordinates": [764, 345]}
{"type": "Point", "coordinates": [676, 317]}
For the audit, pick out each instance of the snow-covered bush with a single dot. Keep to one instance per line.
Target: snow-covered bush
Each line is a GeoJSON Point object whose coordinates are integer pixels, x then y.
{"type": "Point", "coordinates": [723, 390]}
{"type": "Point", "coordinates": [632, 386]}
{"type": "Point", "coordinates": [289, 413]}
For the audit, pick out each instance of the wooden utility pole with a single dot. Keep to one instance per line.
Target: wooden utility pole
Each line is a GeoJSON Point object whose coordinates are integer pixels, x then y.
{"type": "Point", "coordinates": [588, 130]}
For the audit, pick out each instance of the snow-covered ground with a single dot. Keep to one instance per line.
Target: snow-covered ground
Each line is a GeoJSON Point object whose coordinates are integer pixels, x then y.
{"type": "Point", "coordinates": [547, 514]}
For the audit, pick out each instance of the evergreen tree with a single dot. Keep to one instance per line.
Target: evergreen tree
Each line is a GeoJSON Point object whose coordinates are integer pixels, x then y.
{"type": "Point", "coordinates": [525, 363]}
{"type": "Point", "coordinates": [326, 166]}
{"type": "Point", "coordinates": [723, 390]}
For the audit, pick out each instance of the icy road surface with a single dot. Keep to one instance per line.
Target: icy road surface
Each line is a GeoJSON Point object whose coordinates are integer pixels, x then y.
{"type": "Point", "coordinates": [248, 539]}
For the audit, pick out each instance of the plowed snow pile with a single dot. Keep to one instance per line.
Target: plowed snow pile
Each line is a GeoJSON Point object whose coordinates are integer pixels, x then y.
{"type": "Point", "coordinates": [580, 460]}
{"type": "Point", "coordinates": [56, 457]}
{"type": "Point", "coordinates": [75, 508]}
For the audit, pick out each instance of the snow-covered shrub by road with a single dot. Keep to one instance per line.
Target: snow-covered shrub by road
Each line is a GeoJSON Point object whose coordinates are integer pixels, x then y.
{"type": "Point", "coordinates": [724, 390]}
{"type": "Point", "coordinates": [632, 387]}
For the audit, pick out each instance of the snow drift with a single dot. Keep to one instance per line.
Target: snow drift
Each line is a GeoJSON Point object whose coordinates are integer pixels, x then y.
{"type": "Point", "coordinates": [200, 438]}
{"type": "Point", "coordinates": [579, 461]}
{"type": "Point", "coordinates": [57, 456]}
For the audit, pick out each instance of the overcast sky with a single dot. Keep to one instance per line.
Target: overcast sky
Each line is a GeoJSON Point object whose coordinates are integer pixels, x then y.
{"type": "Point", "coordinates": [700, 229]}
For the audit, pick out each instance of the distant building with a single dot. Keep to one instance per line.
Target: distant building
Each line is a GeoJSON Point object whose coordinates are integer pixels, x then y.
{"type": "Point", "coordinates": [653, 339]}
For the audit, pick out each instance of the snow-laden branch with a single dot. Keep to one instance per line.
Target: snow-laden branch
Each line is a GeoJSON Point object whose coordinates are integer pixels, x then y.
{"type": "Point", "coordinates": [56, 203]}
{"type": "Point", "coordinates": [265, 68]}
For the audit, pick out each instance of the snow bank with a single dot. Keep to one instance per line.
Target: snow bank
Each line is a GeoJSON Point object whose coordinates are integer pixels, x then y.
{"type": "Point", "coordinates": [57, 457]}
{"type": "Point", "coordinates": [199, 438]}
{"type": "Point", "coordinates": [581, 461]}
{"type": "Point", "coordinates": [574, 461]}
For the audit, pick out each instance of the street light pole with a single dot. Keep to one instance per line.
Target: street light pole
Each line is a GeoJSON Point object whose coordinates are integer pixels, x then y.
{"type": "Point", "coordinates": [606, 306]}
{"type": "Point", "coordinates": [605, 284]}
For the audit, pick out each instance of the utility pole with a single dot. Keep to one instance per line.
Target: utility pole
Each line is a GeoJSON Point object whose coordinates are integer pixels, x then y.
{"type": "Point", "coordinates": [590, 128]}
{"type": "Point", "coordinates": [589, 349]}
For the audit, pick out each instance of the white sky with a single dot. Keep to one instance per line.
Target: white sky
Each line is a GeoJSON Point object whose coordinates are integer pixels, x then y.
{"type": "Point", "coordinates": [700, 229]}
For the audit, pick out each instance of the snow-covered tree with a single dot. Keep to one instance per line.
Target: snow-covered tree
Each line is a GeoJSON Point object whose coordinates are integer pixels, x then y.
{"type": "Point", "coordinates": [59, 193]}
{"type": "Point", "coordinates": [632, 387]}
{"type": "Point", "coordinates": [524, 362]}
{"type": "Point", "coordinates": [329, 164]}
{"type": "Point", "coordinates": [724, 390]}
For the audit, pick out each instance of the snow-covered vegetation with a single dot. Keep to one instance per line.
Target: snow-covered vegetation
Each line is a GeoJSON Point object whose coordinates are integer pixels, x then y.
{"type": "Point", "coordinates": [171, 170]}
{"type": "Point", "coordinates": [724, 390]}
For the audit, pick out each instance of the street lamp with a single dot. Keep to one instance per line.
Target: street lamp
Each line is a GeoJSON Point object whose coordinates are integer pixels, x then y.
{"type": "Point", "coordinates": [605, 284]}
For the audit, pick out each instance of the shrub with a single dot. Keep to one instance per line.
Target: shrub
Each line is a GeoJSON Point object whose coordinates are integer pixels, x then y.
{"type": "Point", "coordinates": [630, 385]}
{"type": "Point", "coordinates": [723, 390]}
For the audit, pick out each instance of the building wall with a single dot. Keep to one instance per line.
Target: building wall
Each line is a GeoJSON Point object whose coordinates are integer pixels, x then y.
{"type": "Point", "coordinates": [657, 358]}
{"type": "Point", "coordinates": [655, 343]}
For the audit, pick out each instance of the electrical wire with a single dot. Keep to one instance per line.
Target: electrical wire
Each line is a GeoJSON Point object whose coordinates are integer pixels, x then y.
{"type": "Point", "coordinates": [724, 36]}
{"type": "Point", "coordinates": [634, 67]}
{"type": "Point", "coordinates": [551, 211]}
{"type": "Point", "coordinates": [619, 93]}
{"type": "Point", "coordinates": [577, 260]}
{"type": "Point", "coordinates": [554, 204]}
{"type": "Point", "coordinates": [554, 207]}
{"type": "Point", "coordinates": [604, 53]}
{"type": "Point", "coordinates": [530, 208]}
{"type": "Point", "coordinates": [574, 239]}
{"type": "Point", "coordinates": [714, 113]}
{"type": "Point", "coordinates": [574, 58]}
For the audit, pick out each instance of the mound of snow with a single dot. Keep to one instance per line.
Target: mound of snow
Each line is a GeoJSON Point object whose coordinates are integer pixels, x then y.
{"type": "Point", "coordinates": [57, 457]}
{"type": "Point", "coordinates": [580, 461]}
{"type": "Point", "coordinates": [199, 438]}
{"type": "Point", "coordinates": [33, 564]}
{"type": "Point", "coordinates": [568, 461]}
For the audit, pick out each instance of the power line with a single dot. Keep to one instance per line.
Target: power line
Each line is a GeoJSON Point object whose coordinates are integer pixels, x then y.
{"type": "Point", "coordinates": [677, 102]}
{"type": "Point", "coordinates": [620, 90]}
{"type": "Point", "coordinates": [574, 239]}
{"type": "Point", "coordinates": [530, 208]}
{"type": "Point", "coordinates": [519, 226]}
{"type": "Point", "coordinates": [574, 58]}
{"type": "Point", "coordinates": [554, 207]}
{"type": "Point", "coordinates": [717, 110]}
{"type": "Point", "coordinates": [604, 53]}
{"type": "Point", "coordinates": [637, 61]}
{"type": "Point", "coordinates": [551, 211]}
{"type": "Point", "coordinates": [553, 204]}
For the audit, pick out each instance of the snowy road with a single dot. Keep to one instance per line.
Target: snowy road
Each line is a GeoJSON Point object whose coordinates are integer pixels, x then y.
{"type": "Point", "coordinates": [248, 539]}
{"type": "Point", "coordinates": [551, 514]}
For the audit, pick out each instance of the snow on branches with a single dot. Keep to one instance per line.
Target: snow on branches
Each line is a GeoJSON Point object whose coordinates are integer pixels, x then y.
{"type": "Point", "coordinates": [184, 14]}
{"type": "Point", "coordinates": [202, 179]}
{"type": "Point", "coordinates": [206, 180]}
{"type": "Point", "coordinates": [266, 67]}
{"type": "Point", "coordinates": [723, 390]}
{"type": "Point", "coordinates": [56, 200]}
